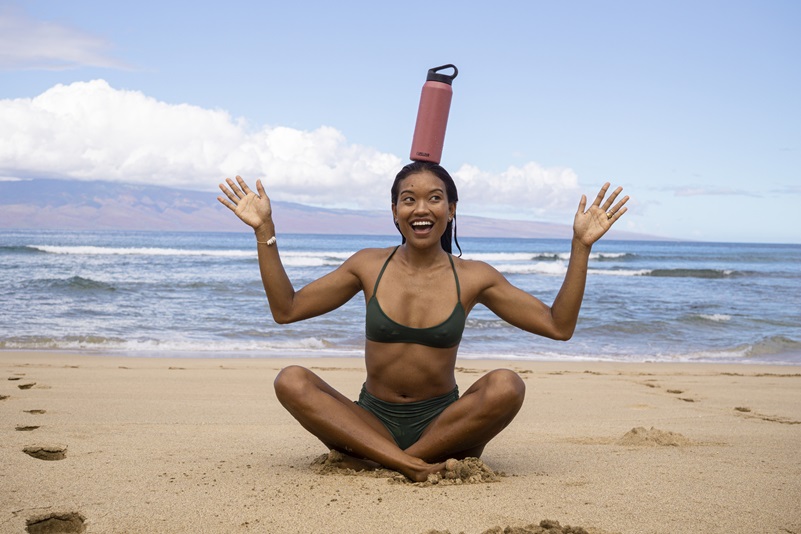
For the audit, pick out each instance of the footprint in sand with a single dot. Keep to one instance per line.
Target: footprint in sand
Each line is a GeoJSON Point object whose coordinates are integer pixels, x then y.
{"type": "Point", "coordinates": [14, 377]}
{"type": "Point", "coordinates": [29, 385]}
{"type": "Point", "coordinates": [747, 412]}
{"type": "Point", "coordinates": [3, 397]}
{"type": "Point", "coordinates": [35, 412]}
{"type": "Point", "coordinates": [26, 428]}
{"type": "Point", "coordinates": [46, 452]}
{"type": "Point", "coordinates": [56, 523]}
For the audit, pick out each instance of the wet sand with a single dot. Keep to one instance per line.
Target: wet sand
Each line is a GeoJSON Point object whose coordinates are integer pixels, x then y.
{"type": "Point", "coordinates": [110, 444]}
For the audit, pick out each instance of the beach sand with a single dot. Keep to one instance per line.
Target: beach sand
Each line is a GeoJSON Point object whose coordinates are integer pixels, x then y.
{"type": "Point", "coordinates": [108, 444]}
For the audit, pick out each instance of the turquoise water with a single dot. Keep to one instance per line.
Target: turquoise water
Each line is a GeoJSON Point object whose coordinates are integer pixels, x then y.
{"type": "Point", "coordinates": [199, 294]}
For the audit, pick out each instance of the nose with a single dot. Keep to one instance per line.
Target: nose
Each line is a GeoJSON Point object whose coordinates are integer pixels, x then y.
{"type": "Point", "coordinates": [421, 206]}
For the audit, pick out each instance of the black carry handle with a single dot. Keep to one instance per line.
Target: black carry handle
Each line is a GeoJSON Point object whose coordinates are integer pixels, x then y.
{"type": "Point", "coordinates": [435, 76]}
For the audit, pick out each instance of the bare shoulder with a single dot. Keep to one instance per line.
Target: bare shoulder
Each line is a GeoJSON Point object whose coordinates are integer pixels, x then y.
{"type": "Point", "coordinates": [477, 273]}
{"type": "Point", "coordinates": [473, 267]}
{"type": "Point", "coordinates": [484, 284]}
{"type": "Point", "coordinates": [367, 258]}
{"type": "Point", "coordinates": [371, 254]}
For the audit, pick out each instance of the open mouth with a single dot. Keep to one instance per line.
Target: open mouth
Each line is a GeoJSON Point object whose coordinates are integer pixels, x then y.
{"type": "Point", "coordinates": [422, 227]}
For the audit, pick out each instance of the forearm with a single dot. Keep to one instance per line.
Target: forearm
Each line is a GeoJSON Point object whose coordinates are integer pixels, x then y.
{"type": "Point", "coordinates": [277, 285]}
{"type": "Point", "coordinates": [566, 305]}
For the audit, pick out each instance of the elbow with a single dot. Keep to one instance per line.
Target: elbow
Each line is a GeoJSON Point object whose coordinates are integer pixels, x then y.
{"type": "Point", "coordinates": [560, 329]}
{"type": "Point", "coordinates": [282, 317]}
{"type": "Point", "coordinates": [563, 336]}
{"type": "Point", "coordinates": [561, 333]}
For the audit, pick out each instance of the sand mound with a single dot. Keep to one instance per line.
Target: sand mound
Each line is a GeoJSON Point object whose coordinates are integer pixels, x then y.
{"type": "Point", "coordinates": [336, 463]}
{"type": "Point", "coordinates": [639, 436]}
{"type": "Point", "coordinates": [546, 526]}
{"type": "Point", "coordinates": [467, 471]}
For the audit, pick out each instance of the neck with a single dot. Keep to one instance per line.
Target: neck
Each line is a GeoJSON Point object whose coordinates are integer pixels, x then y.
{"type": "Point", "coordinates": [422, 258]}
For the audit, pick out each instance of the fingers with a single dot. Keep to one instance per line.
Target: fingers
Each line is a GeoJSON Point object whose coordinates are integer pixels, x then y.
{"type": "Point", "coordinates": [601, 194]}
{"type": "Point", "coordinates": [228, 204]}
{"type": "Point", "coordinates": [609, 201]}
{"type": "Point", "coordinates": [620, 205]}
{"type": "Point", "coordinates": [239, 190]}
{"type": "Point", "coordinates": [243, 185]}
{"type": "Point", "coordinates": [616, 212]}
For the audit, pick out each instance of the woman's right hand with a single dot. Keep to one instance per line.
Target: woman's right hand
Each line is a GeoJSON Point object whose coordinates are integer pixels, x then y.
{"type": "Point", "coordinates": [254, 209]}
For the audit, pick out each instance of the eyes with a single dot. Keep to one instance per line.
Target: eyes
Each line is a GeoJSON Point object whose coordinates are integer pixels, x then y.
{"type": "Point", "coordinates": [409, 200]}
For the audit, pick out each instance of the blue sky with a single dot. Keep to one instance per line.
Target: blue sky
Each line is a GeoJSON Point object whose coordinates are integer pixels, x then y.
{"type": "Point", "coordinates": [692, 106]}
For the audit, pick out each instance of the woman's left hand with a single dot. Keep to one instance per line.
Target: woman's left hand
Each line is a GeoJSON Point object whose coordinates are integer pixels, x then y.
{"type": "Point", "coordinates": [590, 225]}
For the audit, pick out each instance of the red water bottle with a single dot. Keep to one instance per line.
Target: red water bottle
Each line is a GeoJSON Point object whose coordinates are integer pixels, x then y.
{"type": "Point", "coordinates": [432, 115]}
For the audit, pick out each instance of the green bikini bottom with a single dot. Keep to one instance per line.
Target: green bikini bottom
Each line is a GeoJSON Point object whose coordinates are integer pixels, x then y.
{"type": "Point", "coordinates": [406, 421]}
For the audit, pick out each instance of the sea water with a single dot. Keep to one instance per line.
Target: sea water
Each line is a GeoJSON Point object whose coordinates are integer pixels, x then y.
{"type": "Point", "coordinates": [169, 294]}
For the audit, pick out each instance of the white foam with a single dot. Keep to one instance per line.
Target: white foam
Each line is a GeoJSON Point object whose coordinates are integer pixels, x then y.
{"type": "Point", "coordinates": [716, 317]}
{"type": "Point", "coordinates": [549, 268]}
{"type": "Point", "coordinates": [620, 272]}
{"type": "Point", "coordinates": [140, 251]}
{"type": "Point", "coordinates": [491, 257]}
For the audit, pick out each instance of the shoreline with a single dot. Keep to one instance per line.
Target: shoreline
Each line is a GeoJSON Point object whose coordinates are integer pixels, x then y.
{"type": "Point", "coordinates": [326, 354]}
{"type": "Point", "coordinates": [201, 444]}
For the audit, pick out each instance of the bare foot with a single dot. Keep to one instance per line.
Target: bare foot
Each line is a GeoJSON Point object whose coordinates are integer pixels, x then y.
{"type": "Point", "coordinates": [346, 461]}
{"type": "Point", "coordinates": [420, 470]}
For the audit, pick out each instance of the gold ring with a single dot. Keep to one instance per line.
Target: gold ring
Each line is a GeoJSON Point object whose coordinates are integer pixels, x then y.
{"type": "Point", "coordinates": [609, 214]}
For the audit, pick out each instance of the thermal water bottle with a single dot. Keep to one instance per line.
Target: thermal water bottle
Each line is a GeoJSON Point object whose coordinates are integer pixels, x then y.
{"type": "Point", "coordinates": [432, 115]}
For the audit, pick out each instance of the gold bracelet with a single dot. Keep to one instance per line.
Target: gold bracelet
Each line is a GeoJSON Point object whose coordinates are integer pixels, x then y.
{"type": "Point", "coordinates": [269, 242]}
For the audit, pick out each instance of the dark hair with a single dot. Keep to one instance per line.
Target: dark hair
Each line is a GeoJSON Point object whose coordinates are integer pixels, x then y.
{"type": "Point", "coordinates": [417, 167]}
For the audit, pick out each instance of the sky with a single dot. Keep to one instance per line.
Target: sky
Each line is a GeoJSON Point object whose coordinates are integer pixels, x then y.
{"type": "Point", "coordinates": [692, 106]}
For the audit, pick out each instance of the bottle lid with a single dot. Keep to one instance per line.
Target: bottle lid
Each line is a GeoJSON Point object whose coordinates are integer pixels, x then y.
{"type": "Point", "coordinates": [434, 76]}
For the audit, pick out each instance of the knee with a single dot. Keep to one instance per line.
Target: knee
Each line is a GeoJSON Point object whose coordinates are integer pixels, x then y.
{"type": "Point", "coordinates": [507, 388]}
{"type": "Point", "coordinates": [291, 382]}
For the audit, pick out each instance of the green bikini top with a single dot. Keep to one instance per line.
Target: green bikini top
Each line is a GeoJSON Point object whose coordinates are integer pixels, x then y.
{"type": "Point", "coordinates": [380, 328]}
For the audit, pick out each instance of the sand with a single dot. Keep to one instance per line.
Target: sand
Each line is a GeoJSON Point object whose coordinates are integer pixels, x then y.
{"type": "Point", "coordinates": [107, 444]}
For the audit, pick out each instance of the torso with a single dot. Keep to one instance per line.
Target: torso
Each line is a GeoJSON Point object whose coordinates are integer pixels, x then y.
{"type": "Point", "coordinates": [381, 328]}
{"type": "Point", "coordinates": [420, 301]}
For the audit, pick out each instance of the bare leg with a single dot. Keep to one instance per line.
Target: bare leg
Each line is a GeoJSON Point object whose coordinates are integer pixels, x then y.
{"type": "Point", "coordinates": [341, 424]}
{"type": "Point", "coordinates": [467, 425]}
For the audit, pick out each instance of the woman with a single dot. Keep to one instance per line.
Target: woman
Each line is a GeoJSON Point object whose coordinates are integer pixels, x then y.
{"type": "Point", "coordinates": [409, 416]}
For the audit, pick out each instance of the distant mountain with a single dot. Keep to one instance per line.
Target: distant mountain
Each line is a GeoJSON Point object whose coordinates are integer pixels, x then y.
{"type": "Point", "coordinates": [80, 205]}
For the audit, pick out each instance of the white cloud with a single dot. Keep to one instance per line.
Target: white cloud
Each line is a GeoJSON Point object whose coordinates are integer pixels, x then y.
{"type": "Point", "coordinates": [26, 43]}
{"type": "Point", "coordinates": [91, 131]}
{"type": "Point", "coordinates": [690, 191]}
{"type": "Point", "coordinates": [522, 191]}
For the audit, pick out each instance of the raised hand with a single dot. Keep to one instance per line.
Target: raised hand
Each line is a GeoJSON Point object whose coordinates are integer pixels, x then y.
{"type": "Point", "coordinates": [591, 224]}
{"type": "Point", "coordinates": [254, 209]}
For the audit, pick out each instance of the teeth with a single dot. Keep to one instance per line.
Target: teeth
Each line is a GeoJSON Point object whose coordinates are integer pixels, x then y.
{"type": "Point", "coordinates": [421, 223]}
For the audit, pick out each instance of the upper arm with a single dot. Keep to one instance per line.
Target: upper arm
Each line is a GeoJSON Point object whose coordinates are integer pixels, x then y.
{"type": "Point", "coordinates": [328, 292]}
{"type": "Point", "coordinates": [514, 305]}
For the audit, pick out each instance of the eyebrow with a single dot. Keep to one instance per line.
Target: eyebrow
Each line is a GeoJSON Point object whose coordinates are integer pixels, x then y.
{"type": "Point", "coordinates": [410, 191]}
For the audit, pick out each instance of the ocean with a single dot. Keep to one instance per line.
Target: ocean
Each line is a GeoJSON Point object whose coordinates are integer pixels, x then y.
{"type": "Point", "coordinates": [185, 294]}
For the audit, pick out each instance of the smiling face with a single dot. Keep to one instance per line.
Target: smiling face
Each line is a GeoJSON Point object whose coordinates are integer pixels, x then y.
{"type": "Point", "coordinates": [422, 210]}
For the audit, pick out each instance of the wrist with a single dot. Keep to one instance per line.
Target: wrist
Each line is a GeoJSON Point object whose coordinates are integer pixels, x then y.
{"type": "Point", "coordinates": [264, 231]}
{"type": "Point", "coordinates": [578, 246]}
